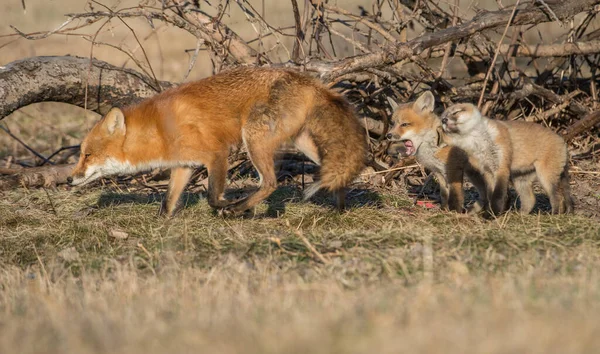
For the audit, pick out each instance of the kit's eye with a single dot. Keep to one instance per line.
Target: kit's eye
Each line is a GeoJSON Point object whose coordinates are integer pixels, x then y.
{"type": "Point", "coordinates": [87, 155]}
{"type": "Point", "coordinates": [404, 124]}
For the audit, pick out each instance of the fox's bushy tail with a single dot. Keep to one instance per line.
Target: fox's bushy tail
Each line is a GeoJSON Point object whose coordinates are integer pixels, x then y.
{"type": "Point", "coordinates": [341, 141]}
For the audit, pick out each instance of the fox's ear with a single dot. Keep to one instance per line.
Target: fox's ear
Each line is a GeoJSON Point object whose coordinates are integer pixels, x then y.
{"type": "Point", "coordinates": [425, 102]}
{"type": "Point", "coordinates": [114, 121]}
{"type": "Point", "coordinates": [392, 103]}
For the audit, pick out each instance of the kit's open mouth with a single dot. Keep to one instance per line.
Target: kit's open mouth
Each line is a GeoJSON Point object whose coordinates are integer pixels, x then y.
{"type": "Point", "coordinates": [410, 147]}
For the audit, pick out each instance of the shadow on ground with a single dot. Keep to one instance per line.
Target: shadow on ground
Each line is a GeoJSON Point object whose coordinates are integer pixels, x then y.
{"type": "Point", "coordinates": [276, 202]}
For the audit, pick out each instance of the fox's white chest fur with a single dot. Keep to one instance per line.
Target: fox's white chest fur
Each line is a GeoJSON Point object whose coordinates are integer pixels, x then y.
{"type": "Point", "coordinates": [480, 143]}
{"type": "Point", "coordinates": [426, 153]}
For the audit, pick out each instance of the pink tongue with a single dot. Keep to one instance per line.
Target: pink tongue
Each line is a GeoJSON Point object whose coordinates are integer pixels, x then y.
{"type": "Point", "coordinates": [410, 148]}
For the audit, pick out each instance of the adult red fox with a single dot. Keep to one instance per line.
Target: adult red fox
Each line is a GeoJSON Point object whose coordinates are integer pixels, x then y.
{"type": "Point", "coordinates": [197, 123]}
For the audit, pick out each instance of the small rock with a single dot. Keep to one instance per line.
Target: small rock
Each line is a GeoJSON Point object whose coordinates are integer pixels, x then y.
{"type": "Point", "coordinates": [118, 234]}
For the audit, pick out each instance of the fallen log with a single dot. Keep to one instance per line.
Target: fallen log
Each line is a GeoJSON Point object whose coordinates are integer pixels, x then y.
{"type": "Point", "coordinates": [45, 176]}
{"type": "Point", "coordinates": [64, 79]}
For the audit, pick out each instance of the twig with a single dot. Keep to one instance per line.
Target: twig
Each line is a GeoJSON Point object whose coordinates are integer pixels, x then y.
{"type": "Point", "coordinates": [314, 251]}
{"type": "Point", "coordinates": [551, 12]}
{"type": "Point", "coordinates": [58, 151]}
{"type": "Point", "coordinates": [299, 34]}
{"type": "Point", "coordinates": [489, 72]}
{"type": "Point", "coordinates": [45, 160]}
{"type": "Point", "coordinates": [116, 14]}
{"type": "Point", "coordinates": [374, 26]}
{"type": "Point", "coordinates": [448, 46]}
{"type": "Point", "coordinates": [51, 202]}
{"type": "Point", "coordinates": [390, 170]}
{"type": "Point", "coordinates": [45, 34]}
{"type": "Point", "coordinates": [596, 173]}
{"type": "Point", "coordinates": [193, 61]}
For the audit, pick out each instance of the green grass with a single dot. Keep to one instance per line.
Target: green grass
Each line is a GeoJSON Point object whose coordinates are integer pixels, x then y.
{"type": "Point", "coordinates": [388, 277]}
{"type": "Point", "coordinates": [46, 223]}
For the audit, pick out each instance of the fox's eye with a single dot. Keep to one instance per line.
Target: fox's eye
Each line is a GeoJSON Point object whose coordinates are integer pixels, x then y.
{"type": "Point", "coordinates": [404, 124]}
{"type": "Point", "coordinates": [87, 155]}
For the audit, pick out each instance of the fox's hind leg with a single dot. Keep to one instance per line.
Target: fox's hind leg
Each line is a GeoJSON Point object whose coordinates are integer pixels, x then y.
{"type": "Point", "coordinates": [217, 176]}
{"type": "Point", "coordinates": [550, 181]}
{"type": "Point", "coordinates": [262, 155]}
{"type": "Point", "coordinates": [565, 190]}
{"type": "Point", "coordinates": [340, 195]}
{"type": "Point", "coordinates": [524, 187]}
{"type": "Point", "coordinates": [262, 135]}
{"type": "Point", "coordinates": [180, 176]}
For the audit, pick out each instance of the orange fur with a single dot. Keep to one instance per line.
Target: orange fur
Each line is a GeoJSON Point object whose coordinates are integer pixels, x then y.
{"type": "Point", "coordinates": [539, 152]}
{"type": "Point", "coordinates": [197, 123]}
{"type": "Point", "coordinates": [416, 123]}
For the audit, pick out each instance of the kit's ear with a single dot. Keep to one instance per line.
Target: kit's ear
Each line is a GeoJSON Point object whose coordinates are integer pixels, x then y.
{"type": "Point", "coordinates": [392, 103]}
{"type": "Point", "coordinates": [114, 121]}
{"type": "Point", "coordinates": [425, 102]}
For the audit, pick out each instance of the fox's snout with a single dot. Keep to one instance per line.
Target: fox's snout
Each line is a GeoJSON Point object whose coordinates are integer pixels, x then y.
{"type": "Point", "coordinates": [69, 180]}
{"type": "Point", "coordinates": [392, 137]}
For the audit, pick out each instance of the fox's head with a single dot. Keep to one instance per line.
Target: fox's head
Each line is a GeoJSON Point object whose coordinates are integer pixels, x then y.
{"type": "Point", "coordinates": [460, 118]}
{"type": "Point", "coordinates": [412, 123]}
{"type": "Point", "coordinates": [101, 150]}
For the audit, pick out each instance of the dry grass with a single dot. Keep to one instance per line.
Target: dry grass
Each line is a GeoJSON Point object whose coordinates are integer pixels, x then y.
{"type": "Point", "coordinates": [396, 278]}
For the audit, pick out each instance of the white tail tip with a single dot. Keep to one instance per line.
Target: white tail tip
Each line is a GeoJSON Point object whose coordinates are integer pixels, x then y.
{"type": "Point", "coordinates": [311, 190]}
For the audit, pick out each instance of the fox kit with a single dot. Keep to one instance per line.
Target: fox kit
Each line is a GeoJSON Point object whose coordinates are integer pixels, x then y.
{"type": "Point", "coordinates": [416, 126]}
{"type": "Point", "coordinates": [196, 124]}
{"type": "Point", "coordinates": [488, 144]}
{"type": "Point", "coordinates": [539, 152]}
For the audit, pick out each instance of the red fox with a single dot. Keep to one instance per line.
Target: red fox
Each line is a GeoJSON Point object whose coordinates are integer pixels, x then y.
{"type": "Point", "coordinates": [197, 123]}
{"type": "Point", "coordinates": [487, 142]}
{"type": "Point", "coordinates": [416, 132]}
{"type": "Point", "coordinates": [547, 159]}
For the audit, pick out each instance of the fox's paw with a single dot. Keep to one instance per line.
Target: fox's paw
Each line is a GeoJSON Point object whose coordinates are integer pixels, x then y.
{"type": "Point", "coordinates": [166, 213]}
{"type": "Point", "coordinates": [232, 211]}
{"type": "Point", "coordinates": [475, 209]}
{"type": "Point", "coordinates": [225, 212]}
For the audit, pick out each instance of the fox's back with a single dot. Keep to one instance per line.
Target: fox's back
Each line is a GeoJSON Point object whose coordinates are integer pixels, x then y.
{"type": "Point", "coordinates": [533, 142]}
{"type": "Point", "coordinates": [215, 108]}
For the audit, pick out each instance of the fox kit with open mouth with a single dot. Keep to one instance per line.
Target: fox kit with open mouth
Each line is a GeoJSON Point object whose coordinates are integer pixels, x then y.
{"type": "Point", "coordinates": [197, 123]}
{"type": "Point", "coordinates": [488, 144]}
{"type": "Point", "coordinates": [415, 132]}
